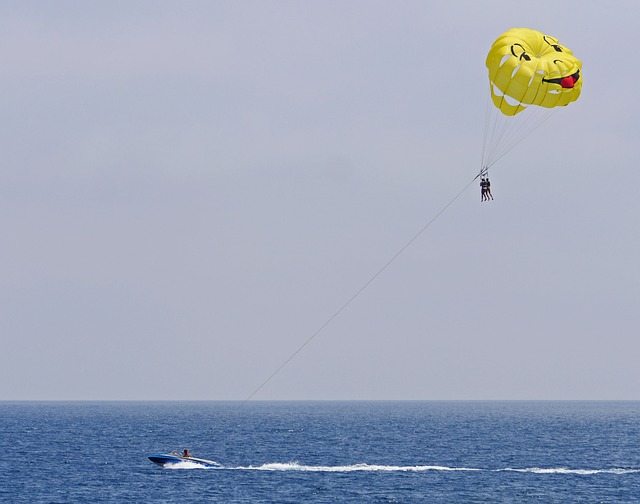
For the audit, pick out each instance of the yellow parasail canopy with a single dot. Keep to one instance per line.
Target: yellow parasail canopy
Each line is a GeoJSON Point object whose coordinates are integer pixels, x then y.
{"type": "Point", "coordinates": [527, 67]}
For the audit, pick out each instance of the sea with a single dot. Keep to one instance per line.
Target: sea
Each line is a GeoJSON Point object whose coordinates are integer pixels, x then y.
{"type": "Point", "coordinates": [324, 452]}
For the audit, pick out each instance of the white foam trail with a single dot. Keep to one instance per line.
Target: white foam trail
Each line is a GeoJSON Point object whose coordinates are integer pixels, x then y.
{"type": "Point", "coordinates": [565, 470]}
{"type": "Point", "coordinates": [295, 466]}
{"type": "Point", "coordinates": [186, 465]}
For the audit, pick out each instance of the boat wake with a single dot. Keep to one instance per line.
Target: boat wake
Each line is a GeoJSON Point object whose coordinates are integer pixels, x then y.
{"type": "Point", "coordinates": [296, 467]}
{"type": "Point", "coordinates": [565, 470]}
{"type": "Point", "coordinates": [189, 465]}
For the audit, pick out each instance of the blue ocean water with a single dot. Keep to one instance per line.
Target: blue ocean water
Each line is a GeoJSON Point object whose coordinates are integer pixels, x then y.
{"type": "Point", "coordinates": [296, 452]}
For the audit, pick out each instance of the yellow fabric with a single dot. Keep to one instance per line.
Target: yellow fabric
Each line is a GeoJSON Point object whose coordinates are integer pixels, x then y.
{"type": "Point", "coordinates": [521, 63]}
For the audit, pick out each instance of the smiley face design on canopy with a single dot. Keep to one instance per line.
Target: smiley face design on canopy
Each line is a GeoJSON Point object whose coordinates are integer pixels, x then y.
{"type": "Point", "coordinates": [527, 67]}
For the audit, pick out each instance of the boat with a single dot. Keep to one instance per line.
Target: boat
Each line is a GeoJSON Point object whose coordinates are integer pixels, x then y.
{"type": "Point", "coordinates": [164, 459]}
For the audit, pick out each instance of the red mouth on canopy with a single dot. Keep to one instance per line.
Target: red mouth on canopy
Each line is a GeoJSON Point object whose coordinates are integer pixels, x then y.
{"type": "Point", "coordinates": [566, 82]}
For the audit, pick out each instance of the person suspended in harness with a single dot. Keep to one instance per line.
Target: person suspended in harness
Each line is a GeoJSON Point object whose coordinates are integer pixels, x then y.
{"type": "Point", "coordinates": [485, 185]}
{"type": "Point", "coordinates": [487, 189]}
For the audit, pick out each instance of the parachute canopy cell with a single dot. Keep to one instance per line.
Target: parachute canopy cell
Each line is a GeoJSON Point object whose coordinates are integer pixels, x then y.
{"type": "Point", "coordinates": [527, 67]}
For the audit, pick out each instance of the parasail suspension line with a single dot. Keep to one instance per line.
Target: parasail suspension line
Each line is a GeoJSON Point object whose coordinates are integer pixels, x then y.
{"type": "Point", "coordinates": [361, 289]}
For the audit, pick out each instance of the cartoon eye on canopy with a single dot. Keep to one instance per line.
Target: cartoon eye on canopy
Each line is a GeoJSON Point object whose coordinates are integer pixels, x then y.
{"type": "Point", "coordinates": [527, 67]}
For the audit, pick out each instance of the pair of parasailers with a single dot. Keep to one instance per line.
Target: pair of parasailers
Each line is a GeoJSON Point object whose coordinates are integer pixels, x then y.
{"type": "Point", "coordinates": [485, 185]}
{"type": "Point", "coordinates": [485, 188]}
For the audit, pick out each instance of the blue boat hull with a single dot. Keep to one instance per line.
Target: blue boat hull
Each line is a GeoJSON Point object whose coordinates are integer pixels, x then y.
{"type": "Point", "coordinates": [168, 459]}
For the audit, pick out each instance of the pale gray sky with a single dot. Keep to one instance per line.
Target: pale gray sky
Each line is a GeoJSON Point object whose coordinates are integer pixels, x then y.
{"type": "Point", "coordinates": [190, 189]}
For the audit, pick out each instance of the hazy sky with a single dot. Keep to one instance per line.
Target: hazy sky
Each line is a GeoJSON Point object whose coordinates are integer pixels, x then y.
{"type": "Point", "coordinates": [190, 189]}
